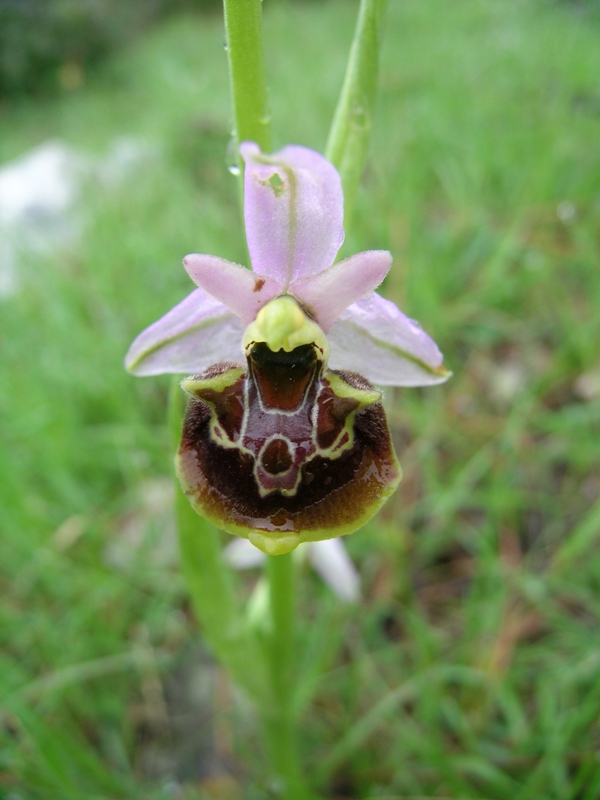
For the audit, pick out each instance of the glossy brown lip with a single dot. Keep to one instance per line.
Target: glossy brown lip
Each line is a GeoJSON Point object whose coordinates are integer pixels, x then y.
{"type": "Point", "coordinates": [285, 446]}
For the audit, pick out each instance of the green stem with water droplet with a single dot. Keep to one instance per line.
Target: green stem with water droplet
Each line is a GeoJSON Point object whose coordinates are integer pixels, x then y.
{"type": "Point", "coordinates": [244, 42]}
{"type": "Point", "coordinates": [265, 672]}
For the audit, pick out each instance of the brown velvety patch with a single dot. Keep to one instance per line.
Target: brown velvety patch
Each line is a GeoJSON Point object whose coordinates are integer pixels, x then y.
{"type": "Point", "coordinates": [331, 492]}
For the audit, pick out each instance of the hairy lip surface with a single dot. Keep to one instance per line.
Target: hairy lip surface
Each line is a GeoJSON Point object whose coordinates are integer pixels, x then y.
{"type": "Point", "coordinates": [285, 447]}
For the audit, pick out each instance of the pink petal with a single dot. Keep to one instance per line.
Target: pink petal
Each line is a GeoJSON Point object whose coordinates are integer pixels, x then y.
{"type": "Point", "coordinates": [197, 333]}
{"type": "Point", "coordinates": [294, 209]}
{"type": "Point", "coordinates": [329, 293]}
{"type": "Point", "coordinates": [242, 291]}
{"type": "Point", "coordinates": [373, 337]}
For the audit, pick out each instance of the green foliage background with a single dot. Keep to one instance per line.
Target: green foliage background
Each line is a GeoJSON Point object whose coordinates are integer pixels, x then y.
{"type": "Point", "coordinates": [43, 41]}
{"type": "Point", "coordinates": [471, 669]}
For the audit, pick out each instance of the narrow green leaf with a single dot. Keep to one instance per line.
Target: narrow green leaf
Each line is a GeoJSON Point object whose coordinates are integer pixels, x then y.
{"type": "Point", "coordinates": [350, 132]}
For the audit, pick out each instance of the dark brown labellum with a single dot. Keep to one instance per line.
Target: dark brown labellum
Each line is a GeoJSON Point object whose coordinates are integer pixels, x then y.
{"type": "Point", "coordinates": [285, 449]}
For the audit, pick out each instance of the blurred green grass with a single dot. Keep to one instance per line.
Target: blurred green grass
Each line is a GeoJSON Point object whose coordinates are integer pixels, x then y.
{"type": "Point", "coordinates": [472, 668]}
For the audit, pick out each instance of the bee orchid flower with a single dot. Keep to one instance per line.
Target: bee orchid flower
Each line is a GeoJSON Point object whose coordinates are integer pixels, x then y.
{"type": "Point", "coordinates": [285, 439]}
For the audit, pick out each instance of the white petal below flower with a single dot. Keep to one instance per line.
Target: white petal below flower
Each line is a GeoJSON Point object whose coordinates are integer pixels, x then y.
{"type": "Point", "coordinates": [331, 561]}
{"type": "Point", "coordinates": [328, 558]}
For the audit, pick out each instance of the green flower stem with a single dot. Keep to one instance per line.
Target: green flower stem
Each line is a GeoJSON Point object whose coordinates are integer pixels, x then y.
{"type": "Point", "coordinates": [243, 29]}
{"type": "Point", "coordinates": [211, 587]}
{"type": "Point", "coordinates": [280, 721]}
{"type": "Point", "coordinates": [243, 26]}
{"type": "Point", "coordinates": [350, 132]}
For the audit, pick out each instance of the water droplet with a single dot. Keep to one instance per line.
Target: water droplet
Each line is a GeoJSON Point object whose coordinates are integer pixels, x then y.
{"type": "Point", "coordinates": [232, 157]}
{"type": "Point", "coordinates": [361, 119]}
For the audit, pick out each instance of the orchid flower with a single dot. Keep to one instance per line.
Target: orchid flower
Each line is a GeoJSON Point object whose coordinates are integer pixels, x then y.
{"type": "Point", "coordinates": [285, 439]}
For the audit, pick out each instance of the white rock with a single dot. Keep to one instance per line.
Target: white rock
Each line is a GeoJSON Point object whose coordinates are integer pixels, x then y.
{"type": "Point", "coordinates": [39, 194]}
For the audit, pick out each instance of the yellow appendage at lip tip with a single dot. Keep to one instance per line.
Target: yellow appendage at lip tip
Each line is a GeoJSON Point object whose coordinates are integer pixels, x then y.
{"type": "Point", "coordinates": [274, 545]}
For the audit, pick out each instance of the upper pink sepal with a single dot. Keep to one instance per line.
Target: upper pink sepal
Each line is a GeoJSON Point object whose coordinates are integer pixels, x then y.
{"type": "Point", "coordinates": [374, 338]}
{"type": "Point", "coordinates": [242, 291]}
{"type": "Point", "coordinates": [329, 293]}
{"type": "Point", "coordinates": [294, 215]}
{"type": "Point", "coordinates": [196, 333]}
{"type": "Point", "coordinates": [294, 212]}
